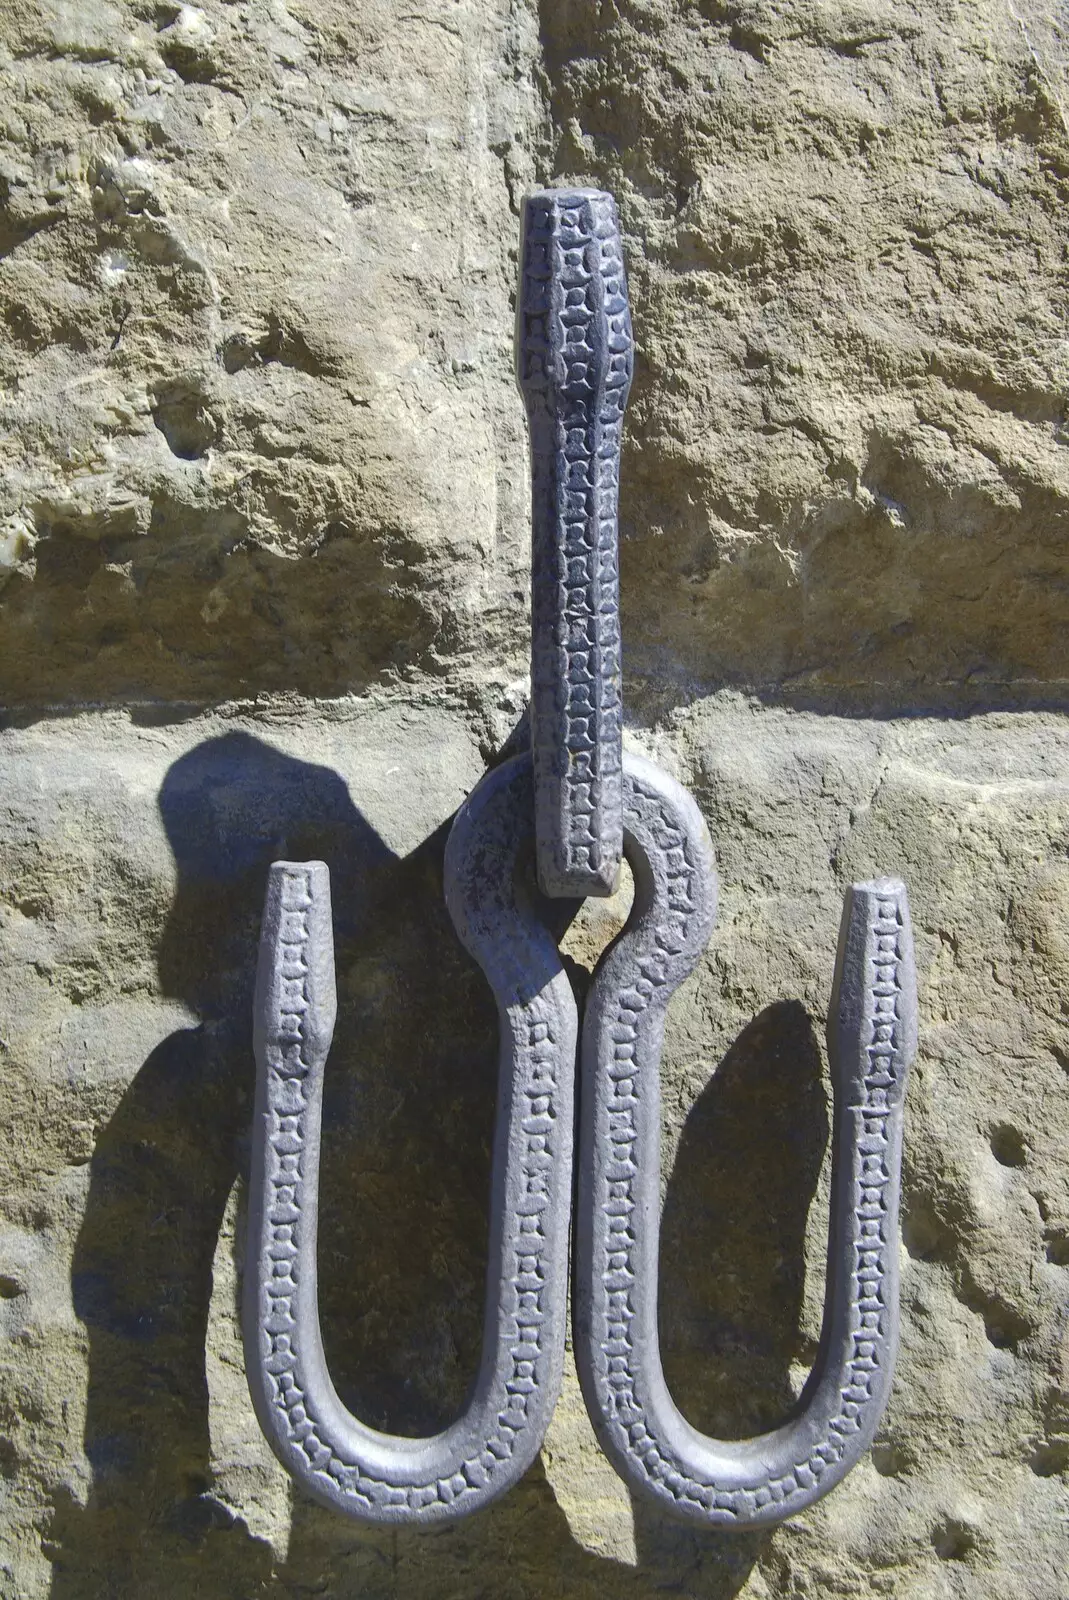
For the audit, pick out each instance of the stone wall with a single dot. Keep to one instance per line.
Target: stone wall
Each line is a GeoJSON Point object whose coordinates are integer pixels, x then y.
{"type": "Point", "coordinates": [263, 565]}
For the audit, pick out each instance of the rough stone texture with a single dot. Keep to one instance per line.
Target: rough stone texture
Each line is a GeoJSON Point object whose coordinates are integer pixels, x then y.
{"type": "Point", "coordinates": [261, 443]}
{"type": "Point", "coordinates": [847, 467]}
{"type": "Point", "coordinates": [132, 870]}
{"type": "Point", "coordinates": [257, 279]}
{"type": "Point", "coordinates": [257, 275]}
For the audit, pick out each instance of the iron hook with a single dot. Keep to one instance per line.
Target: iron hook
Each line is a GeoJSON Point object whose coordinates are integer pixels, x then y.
{"type": "Point", "coordinates": [372, 1476]}
{"type": "Point", "coordinates": [872, 1032]}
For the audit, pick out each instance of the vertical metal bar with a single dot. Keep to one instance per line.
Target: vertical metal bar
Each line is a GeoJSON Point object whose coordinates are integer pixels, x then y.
{"type": "Point", "coordinates": [574, 360]}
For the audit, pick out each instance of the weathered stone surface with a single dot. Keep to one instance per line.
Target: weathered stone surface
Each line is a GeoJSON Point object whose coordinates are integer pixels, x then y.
{"type": "Point", "coordinates": [847, 468]}
{"type": "Point", "coordinates": [257, 357]}
{"type": "Point", "coordinates": [261, 443]}
{"type": "Point", "coordinates": [132, 868]}
{"type": "Point", "coordinates": [257, 273]}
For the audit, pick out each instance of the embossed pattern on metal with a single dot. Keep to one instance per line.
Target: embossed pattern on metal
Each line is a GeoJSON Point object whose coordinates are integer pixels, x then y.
{"type": "Point", "coordinates": [587, 803]}
{"type": "Point", "coordinates": [574, 360]}
{"type": "Point", "coordinates": [871, 1039]}
{"type": "Point", "coordinates": [371, 1476]}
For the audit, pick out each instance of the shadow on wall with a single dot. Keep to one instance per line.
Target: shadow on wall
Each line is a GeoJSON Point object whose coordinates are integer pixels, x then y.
{"type": "Point", "coordinates": [407, 1124]}
{"type": "Point", "coordinates": [734, 1225]}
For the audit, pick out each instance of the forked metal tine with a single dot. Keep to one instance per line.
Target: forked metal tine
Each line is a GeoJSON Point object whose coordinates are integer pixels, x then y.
{"type": "Point", "coordinates": [872, 1034]}
{"type": "Point", "coordinates": [372, 1476]}
{"type": "Point", "coordinates": [573, 365]}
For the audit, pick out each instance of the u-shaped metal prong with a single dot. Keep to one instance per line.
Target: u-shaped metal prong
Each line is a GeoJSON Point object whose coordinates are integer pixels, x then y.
{"type": "Point", "coordinates": [369, 1475]}
{"type": "Point", "coordinates": [871, 1038]}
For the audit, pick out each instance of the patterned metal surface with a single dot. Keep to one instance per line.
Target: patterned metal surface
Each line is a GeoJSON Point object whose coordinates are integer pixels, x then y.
{"type": "Point", "coordinates": [573, 358]}
{"type": "Point", "coordinates": [585, 802]}
{"type": "Point", "coordinates": [372, 1476]}
{"type": "Point", "coordinates": [871, 1038]}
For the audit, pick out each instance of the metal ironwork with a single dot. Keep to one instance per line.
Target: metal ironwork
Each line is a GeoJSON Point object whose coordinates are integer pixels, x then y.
{"type": "Point", "coordinates": [573, 366]}
{"type": "Point", "coordinates": [369, 1475]}
{"type": "Point", "coordinates": [872, 1027]}
{"type": "Point", "coordinates": [585, 801]}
